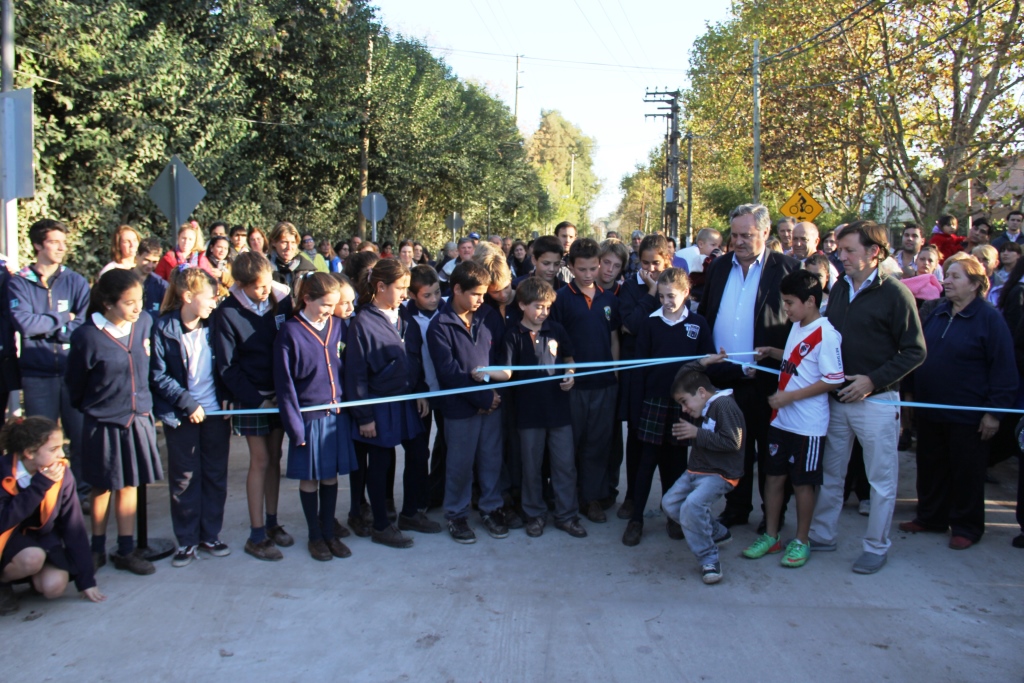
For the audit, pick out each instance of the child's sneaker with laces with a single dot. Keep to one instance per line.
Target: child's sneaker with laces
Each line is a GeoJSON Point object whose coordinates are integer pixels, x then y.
{"type": "Point", "coordinates": [711, 572]}
{"type": "Point", "coordinates": [797, 554]}
{"type": "Point", "coordinates": [764, 545]}
{"type": "Point", "coordinates": [185, 555]}
{"type": "Point", "coordinates": [215, 548]}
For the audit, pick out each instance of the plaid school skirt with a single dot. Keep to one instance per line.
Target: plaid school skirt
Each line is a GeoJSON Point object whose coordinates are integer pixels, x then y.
{"type": "Point", "coordinates": [654, 416]}
{"type": "Point", "coordinates": [255, 425]}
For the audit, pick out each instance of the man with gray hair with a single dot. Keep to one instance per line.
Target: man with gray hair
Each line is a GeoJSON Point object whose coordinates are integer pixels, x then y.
{"type": "Point", "coordinates": [743, 304]}
{"type": "Point", "coordinates": [633, 267]}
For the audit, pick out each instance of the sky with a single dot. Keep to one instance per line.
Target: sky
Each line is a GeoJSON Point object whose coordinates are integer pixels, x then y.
{"type": "Point", "coordinates": [646, 47]}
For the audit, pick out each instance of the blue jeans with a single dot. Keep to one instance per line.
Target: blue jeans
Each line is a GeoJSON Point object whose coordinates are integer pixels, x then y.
{"type": "Point", "coordinates": [49, 397]}
{"type": "Point", "coordinates": [474, 444]}
{"type": "Point", "coordinates": [689, 502]}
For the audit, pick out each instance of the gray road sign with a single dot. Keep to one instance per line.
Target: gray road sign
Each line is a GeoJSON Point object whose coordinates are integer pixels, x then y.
{"type": "Point", "coordinates": [374, 208]}
{"type": "Point", "coordinates": [176, 192]}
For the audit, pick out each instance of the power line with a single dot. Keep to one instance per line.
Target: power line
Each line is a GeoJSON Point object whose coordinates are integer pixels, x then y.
{"type": "Point", "coordinates": [631, 30]}
{"type": "Point", "coordinates": [825, 30]}
{"type": "Point", "coordinates": [616, 31]}
{"type": "Point", "coordinates": [587, 19]}
{"type": "Point", "coordinates": [559, 61]}
{"type": "Point", "coordinates": [485, 24]}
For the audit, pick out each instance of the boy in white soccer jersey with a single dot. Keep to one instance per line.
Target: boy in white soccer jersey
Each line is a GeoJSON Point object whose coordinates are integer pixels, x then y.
{"type": "Point", "coordinates": [812, 366]}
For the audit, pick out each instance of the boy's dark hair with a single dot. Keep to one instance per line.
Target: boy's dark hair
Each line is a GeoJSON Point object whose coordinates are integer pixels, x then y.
{"type": "Point", "coordinates": [803, 285]}
{"type": "Point", "coordinates": [534, 289]}
{"type": "Point", "coordinates": [469, 275]}
{"type": "Point", "coordinates": [420, 277]}
{"type": "Point", "coordinates": [548, 244]}
{"type": "Point", "coordinates": [214, 225]}
{"type": "Point", "coordinates": [238, 229]}
{"type": "Point", "coordinates": [583, 248]}
{"type": "Point", "coordinates": [150, 245]}
{"type": "Point", "coordinates": [1013, 213]}
{"type": "Point", "coordinates": [40, 229]}
{"type": "Point", "coordinates": [562, 226]}
{"type": "Point", "coordinates": [689, 381]}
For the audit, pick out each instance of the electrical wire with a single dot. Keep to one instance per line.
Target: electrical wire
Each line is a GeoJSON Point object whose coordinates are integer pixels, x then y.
{"type": "Point", "coordinates": [834, 25]}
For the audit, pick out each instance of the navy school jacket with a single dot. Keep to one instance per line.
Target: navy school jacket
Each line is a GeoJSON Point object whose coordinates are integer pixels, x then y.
{"type": "Point", "coordinates": [377, 363]}
{"type": "Point", "coordinates": [456, 353]}
{"type": "Point", "coordinates": [590, 326]}
{"type": "Point", "coordinates": [244, 347]}
{"type": "Point", "coordinates": [64, 525]}
{"type": "Point", "coordinates": [41, 314]}
{"type": "Point", "coordinates": [692, 336]}
{"type": "Point", "coordinates": [108, 379]}
{"type": "Point", "coordinates": [168, 370]}
{"type": "Point", "coordinates": [307, 372]}
{"type": "Point", "coordinates": [153, 290]}
{"type": "Point", "coordinates": [415, 348]}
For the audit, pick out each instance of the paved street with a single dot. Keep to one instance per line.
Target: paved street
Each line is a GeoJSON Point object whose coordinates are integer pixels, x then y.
{"type": "Point", "coordinates": [547, 609]}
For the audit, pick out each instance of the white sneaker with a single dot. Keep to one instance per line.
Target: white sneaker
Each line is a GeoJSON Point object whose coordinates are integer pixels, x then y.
{"type": "Point", "coordinates": [865, 507]}
{"type": "Point", "coordinates": [185, 555]}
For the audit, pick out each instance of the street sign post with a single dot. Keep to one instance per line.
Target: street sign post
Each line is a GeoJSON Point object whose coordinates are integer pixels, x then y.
{"type": "Point", "coordinates": [18, 176]}
{"type": "Point", "coordinates": [374, 208]}
{"type": "Point", "coordinates": [176, 192]}
{"type": "Point", "coordinates": [802, 206]}
{"type": "Point", "coordinates": [454, 222]}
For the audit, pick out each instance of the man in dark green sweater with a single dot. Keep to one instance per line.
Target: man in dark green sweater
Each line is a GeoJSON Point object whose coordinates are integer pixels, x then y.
{"type": "Point", "coordinates": [882, 343]}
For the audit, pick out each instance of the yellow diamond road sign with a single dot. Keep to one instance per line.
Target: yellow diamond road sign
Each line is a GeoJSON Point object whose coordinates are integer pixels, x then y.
{"type": "Point", "coordinates": [802, 206]}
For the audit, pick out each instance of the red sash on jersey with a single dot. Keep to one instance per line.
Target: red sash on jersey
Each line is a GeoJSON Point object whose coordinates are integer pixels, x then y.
{"type": "Point", "coordinates": [803, 348]}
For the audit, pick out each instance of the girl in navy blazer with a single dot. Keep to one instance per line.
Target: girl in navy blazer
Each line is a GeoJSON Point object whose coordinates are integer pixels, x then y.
{"type": "Point", "coordinates": [378, 365]}
{"type": "Point", "coordinates": [244, 328]}
{"type": "Point", "coordinates": [307, 372]}
{"type": "Point", "coordinates": [185, 388]}
{"type": "Point", "coordinates": [108, 380]}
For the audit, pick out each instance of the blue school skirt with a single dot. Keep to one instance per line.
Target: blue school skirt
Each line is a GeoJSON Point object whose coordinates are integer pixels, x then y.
{"type": "Point", "coordinates": [114, 457]}
{"type": "Point", "coordinates": [396, 422]}
{"type": "Point", "coordinates": [328, 451]}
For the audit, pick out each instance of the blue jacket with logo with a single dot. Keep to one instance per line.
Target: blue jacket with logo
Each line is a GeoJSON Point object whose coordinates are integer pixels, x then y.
{"type": "Point", "coordinates": [41, 313]}
{"type": "Point", "coordinates": [168, 370]}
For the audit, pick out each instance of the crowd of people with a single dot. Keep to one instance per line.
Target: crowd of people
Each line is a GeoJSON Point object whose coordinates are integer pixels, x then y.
{"type": "Point", "coordinates": [791, 353]}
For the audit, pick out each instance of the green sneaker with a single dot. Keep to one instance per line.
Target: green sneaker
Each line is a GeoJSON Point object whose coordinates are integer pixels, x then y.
{"type": "Point", "coordinates": [797, 554]}
{"type": "Point", "coordinates": [764, 545]}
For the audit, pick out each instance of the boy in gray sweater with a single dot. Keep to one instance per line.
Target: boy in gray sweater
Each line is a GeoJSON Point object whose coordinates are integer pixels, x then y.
{"type": "Point", "coordinates": [715, 463]}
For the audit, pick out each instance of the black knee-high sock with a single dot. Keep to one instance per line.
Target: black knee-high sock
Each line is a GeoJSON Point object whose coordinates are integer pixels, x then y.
{"type": "Point", "coordinates": [328, 506]}
{"type": "Point", "coordinates": [309, 503]}
{"type": "Point", "coordinates": [376, 486]}
{"type": "Point", "coordinates": [357, 480]}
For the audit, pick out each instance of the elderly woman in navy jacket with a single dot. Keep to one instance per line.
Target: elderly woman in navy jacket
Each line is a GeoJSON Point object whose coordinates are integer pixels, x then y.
{"type": "Point", "coordinates": [969, 350]}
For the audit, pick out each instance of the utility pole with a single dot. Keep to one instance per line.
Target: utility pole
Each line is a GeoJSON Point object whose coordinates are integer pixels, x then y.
{"type": "Point", "coordinates": [757, 121]}
{"type": "Point", "coordinates": [572, 174]}
{"type": "Point", "coordinates": [515, 110]}
{"type": "Point", "coordinates": [8, 204]}
{"type": "Point", "coordinates": [671, 198]}
{"type": "Point", "coordinates": [364, 144]}
{"type": "Point", "coordinates": [689, 187]}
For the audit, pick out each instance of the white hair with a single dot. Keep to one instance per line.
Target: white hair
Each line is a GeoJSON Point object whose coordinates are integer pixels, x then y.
{"type": "Point", "coordinates": [762, 219]}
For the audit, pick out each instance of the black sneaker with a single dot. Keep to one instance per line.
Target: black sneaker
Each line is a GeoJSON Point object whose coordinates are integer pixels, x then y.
{"type": "Point", "coordinates": [535, 527]}
{"type": "Point", "coordinates": [633, 533]}
{"type": "Point", "coordinates": [494, 524]}
{"type": "Point", "coordinates": [724, 538]}
{"type": "Point", "coordinates": [460, 531]}
{"type": "Point", "coordinates": [134, 562]}
{"type": "Point", "coordinates": [280, 537]}
{"type": "Point", "coordinates": [418, 522]}
{"type": "Point", "coordinates": [8, 600]}
{"type": "Point", "coordinates": [391, 537]}
{"type": "Point", "coordinates": [674, 530]}
{"type": "Point", "coordinates": [215, 548]}
{"type": "Point", "coordinates": [711, 572]}
{"type": "Point", "coordinates": [572, 527]}
{"type": "Point", "coordinates": [185, 556]}
{"type": "Point", "coordinates": [511, 518]}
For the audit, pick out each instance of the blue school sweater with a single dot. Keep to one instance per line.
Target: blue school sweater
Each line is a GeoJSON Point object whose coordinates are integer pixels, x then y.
{"type": "Point", "coordinates": [243, 343]}
{"type": "Point", "coordinates": [153, 290]}
{"type": "Point", "coordinates": [307, 372]}
{"type": "Point", "coordinates": [376, 361]}
{"type": "Point", "coordinates": [543, 405]}
{"type": "Point", "coordinates": [415, 343]}
{"type": "Point", "coordinates": [691, 336]}
{"type": "Point", "coordinates": [168, 371]}
{"type": "Point", "coordinates": [41, 314]}
{"type": "Point", "coordinates": [108, 379]}
{"type": "Point", "coordinates": [590, 325]}
{"type": "Point", "coordinates": [65, 526]}
{"type": "Point", "coordinates": [456, 353]}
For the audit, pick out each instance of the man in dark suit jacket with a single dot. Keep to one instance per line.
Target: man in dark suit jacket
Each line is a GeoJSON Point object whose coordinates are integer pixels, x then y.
{"type": "Point", "coordinates": [743, 305]}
